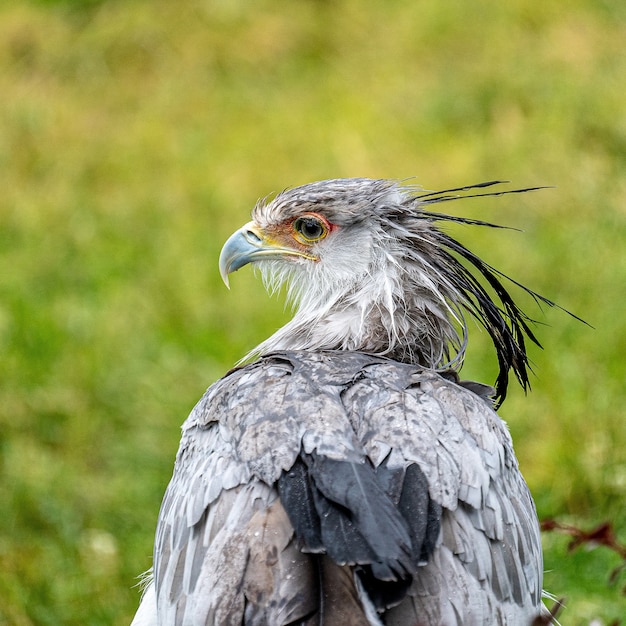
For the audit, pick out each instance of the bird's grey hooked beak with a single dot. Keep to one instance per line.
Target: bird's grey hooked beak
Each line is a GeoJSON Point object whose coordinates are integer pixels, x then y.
{"type": "Point", "coordinates": [251, 243]}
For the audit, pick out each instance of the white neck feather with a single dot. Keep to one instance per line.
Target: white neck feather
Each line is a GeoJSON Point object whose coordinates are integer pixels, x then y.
{"type": "Point", "coordinates": [387, 309]}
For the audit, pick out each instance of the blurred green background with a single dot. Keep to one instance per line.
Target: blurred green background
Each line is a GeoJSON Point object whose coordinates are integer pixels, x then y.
{"type": "Point", "coordinates": [136, 135]}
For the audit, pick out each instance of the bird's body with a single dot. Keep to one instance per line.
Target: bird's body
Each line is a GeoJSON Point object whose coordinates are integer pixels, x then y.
{"type": "Point", "coordinates": [347, 477]}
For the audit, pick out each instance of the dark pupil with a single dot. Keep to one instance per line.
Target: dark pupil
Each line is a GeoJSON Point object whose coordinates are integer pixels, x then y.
{"type": "Point", "coordinates": [309, 227]}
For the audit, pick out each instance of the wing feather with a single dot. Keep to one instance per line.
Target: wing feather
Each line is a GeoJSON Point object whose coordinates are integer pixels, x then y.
{"type": "Point", "coordinates": [396, 471]}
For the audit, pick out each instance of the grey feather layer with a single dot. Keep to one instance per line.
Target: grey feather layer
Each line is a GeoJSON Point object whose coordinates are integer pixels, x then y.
{"type": "Point", "coordinates": [225, 552]}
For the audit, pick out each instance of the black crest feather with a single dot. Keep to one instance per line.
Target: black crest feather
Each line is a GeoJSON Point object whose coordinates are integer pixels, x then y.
{"type": "Point", "coordinates": [508, 326]}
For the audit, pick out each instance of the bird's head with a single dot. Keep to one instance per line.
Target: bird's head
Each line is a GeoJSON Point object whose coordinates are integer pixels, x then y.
{"type": "Point", "coordinates": [368, 269]}
{"type": "Point", "coordinates": [321, 237]}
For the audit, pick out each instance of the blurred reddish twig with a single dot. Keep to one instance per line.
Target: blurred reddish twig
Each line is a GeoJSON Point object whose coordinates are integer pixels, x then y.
{"type": "Point", "coordinates": [546, 620]}
{"type": "Point", "coordinates": [603, 535]}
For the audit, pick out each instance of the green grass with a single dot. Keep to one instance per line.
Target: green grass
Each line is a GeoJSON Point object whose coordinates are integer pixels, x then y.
{"type": "Point", "coordinates": [135, 136]}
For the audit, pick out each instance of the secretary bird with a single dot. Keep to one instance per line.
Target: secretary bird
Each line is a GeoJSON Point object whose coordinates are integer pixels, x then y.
{"type": "Point", "coordinates": [348, 476]}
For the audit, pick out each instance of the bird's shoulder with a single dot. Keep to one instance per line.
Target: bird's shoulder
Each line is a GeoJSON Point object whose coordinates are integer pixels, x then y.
{"type": "Point", "coordinates": [349, 405]}
{"type": "Point", "coordinates": [250, 428]}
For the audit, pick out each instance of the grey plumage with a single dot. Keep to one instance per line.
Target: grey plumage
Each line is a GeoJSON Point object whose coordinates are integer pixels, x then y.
{"type": "Point", "coordinates": [348, 476]}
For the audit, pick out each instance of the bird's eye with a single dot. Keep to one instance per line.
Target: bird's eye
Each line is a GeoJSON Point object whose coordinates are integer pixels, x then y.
{"type": "Point", "coordinates": [309, 229]}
